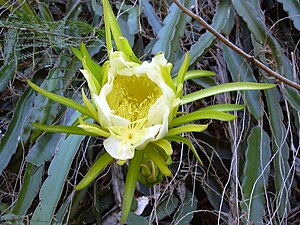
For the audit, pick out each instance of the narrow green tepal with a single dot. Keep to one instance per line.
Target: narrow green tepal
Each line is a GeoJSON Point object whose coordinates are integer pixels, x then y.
{"type": "Point", "coordinates": [95, 170]}
{"type": "Point", "coordinates": [63, 100]}
{"type": "Point", "coordinates": [222, 88]}
{"type": "Point", "coordinates": [130, 184]}
{"type": "Point", "coordinates": [112, 28]}
{"type": "Point", "coordinates": [63, 129]}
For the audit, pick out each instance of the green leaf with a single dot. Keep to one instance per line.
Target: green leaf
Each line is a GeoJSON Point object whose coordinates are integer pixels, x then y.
{"type": "Point", "coordinates": [95, 170]}
{"type": "Point", "coordinates": [29, 188]}
{"type": "Point", "coordinates": [130, 183]}
{"type": "Point", "coordinates": [9, 142]}
{"type": "Point", "coordinates": [240, 70]}
{"type": "Point", "coordinates": [57, 174]}
{"type": "Point", "coordinates": [7, 72]}
{"type": "Point", "coordinates": [293, 9]}
{"type": "Point", "coordinates": [186, 209]}
{"type": "Point", "coordinates": [204, 42]}
{"type": "Point", "coordinates": [151, 16]}
{"type": "Point", "coordinates": [199, 115]}
{"type": "Point", "coordinates": [173, 28]}
{"type": "Point", "coordinates": [44, 149]}
{"type": "Point", "coordinates": [235, 86]}
{"type": "Point", "coordinates": [45, 11]}
{"type": "Point", "coordinates": [187, 128]}
{"type": "Point", "coordinates": [62, 100]}
{"type": "Point", "coordinates": [280, 150]}
{"type": "Point", "coordinates": [255, 175]}
{"type": "Point", "coordinates": [134, 219]}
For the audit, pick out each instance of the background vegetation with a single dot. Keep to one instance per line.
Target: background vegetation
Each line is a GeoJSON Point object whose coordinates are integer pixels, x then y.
{"type": "Point", "coordinates": [251, 165]}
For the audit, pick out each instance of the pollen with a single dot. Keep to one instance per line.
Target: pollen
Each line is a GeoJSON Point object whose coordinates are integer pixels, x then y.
{"type": "Point", "coordinates": [132, 97]}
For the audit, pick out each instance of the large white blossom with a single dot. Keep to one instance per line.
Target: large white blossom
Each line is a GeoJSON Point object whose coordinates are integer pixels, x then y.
{"type": "Point", "coordinates": [135, 104]}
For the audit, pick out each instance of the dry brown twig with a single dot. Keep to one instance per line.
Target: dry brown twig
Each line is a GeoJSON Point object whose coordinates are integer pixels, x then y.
{"type": "Point", "coordinates": [237, 49]}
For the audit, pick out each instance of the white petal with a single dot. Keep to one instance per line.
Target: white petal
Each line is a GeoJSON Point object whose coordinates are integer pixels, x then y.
{"type": "Point", "coordinates": [150, 134]}
{"type": "Point", "coordinates": [114, 148]}
{"type": "Point", "coordinates": [104, 110]}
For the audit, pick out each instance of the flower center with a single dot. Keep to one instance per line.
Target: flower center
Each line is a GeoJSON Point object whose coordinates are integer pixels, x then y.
{"type": "Point", "coordinates": [132, 97]}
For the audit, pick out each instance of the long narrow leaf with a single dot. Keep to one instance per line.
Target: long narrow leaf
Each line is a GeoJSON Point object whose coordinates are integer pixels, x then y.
{"type": "Point", "coordinates": [53, 186]}
{"type": "Point", "coordinates": [9, 142]}
{"type": "Point", "coordinates": [255, 175]}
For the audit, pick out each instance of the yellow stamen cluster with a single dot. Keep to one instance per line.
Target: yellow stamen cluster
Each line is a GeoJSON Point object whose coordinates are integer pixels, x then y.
{"type": "Point", "coordinates": [132, 96]}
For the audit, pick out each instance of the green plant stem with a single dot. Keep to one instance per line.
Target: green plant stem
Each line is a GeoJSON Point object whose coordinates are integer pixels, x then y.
{"type": "Point", "coordinates": [237, 49]}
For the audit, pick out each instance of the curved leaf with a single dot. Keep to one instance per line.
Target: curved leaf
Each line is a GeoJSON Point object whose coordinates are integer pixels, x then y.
{"type": "Point", "coordinates": [173, 28]}
{"type": "Point", "coordinates": [292, 7]}
{"type": "Point", "coordinates": [9, 142]}
{"type": "Point", "coordinates": [53, 185]}
{"type": "Point", "coordinates": [255, 175]}
{"type": "Point", "coordinates": [205, 41]}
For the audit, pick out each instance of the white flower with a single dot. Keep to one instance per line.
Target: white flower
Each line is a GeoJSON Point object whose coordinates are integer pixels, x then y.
{"type": "Point", "coordinates": [135, 104]}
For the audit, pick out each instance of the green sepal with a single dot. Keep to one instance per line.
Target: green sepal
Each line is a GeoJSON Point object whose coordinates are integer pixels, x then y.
{"type": "Point", "coordinates": [93, 82]}
{"type": "Point", "coordinates": [235, 86]}
{"type": "Point", "coordinates": [199, 115]}
{"type": "Point", "coordinates": [145, 171]}
{"type": "Point", "coordinates": [187, 128]}
{"type": "Point", "coordinates": [192, 74]}
{"type": "Point", "coordinates": [130, 183]}
{"type": "Point", "coordinates": [183, 69]}
{"type": "Point", "coordinates": [188, 143]}
{"type": "Point", "coordinates": [128, 50]}
{"type": "Point", "coordinates": [60, 99]}
{"type": "Point", "coordinates": [166, 75]}
{"type": "Point", "coordinates": [62, 129]}
{"type": "Point", "coordinates": [94, 129]}
{"type": "Point", "coordinates": [77, 53]}
{"type": "Point", "coordinates": [89, 105]}
{"type": "Point", "coordinates": [105, 68]}
{"type": "Point", "coordinates": [223, 107]}
{"type": "Point", "coordinates": [88, 64]}
{"type": "Point", "coordinates": [165, 145]}
{"type": "Point", "coordinates": [153, 154]}
{"type": "Point", "coordinates": [167, 158]}
{"type": "Point", "coordinates": [84, 50]}
{"type": "Point", "coordinates": [95, 170]}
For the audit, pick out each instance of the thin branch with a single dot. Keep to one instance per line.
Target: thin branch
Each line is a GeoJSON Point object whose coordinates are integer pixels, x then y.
{"type": "Point", "coordinates": [237, 49]}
